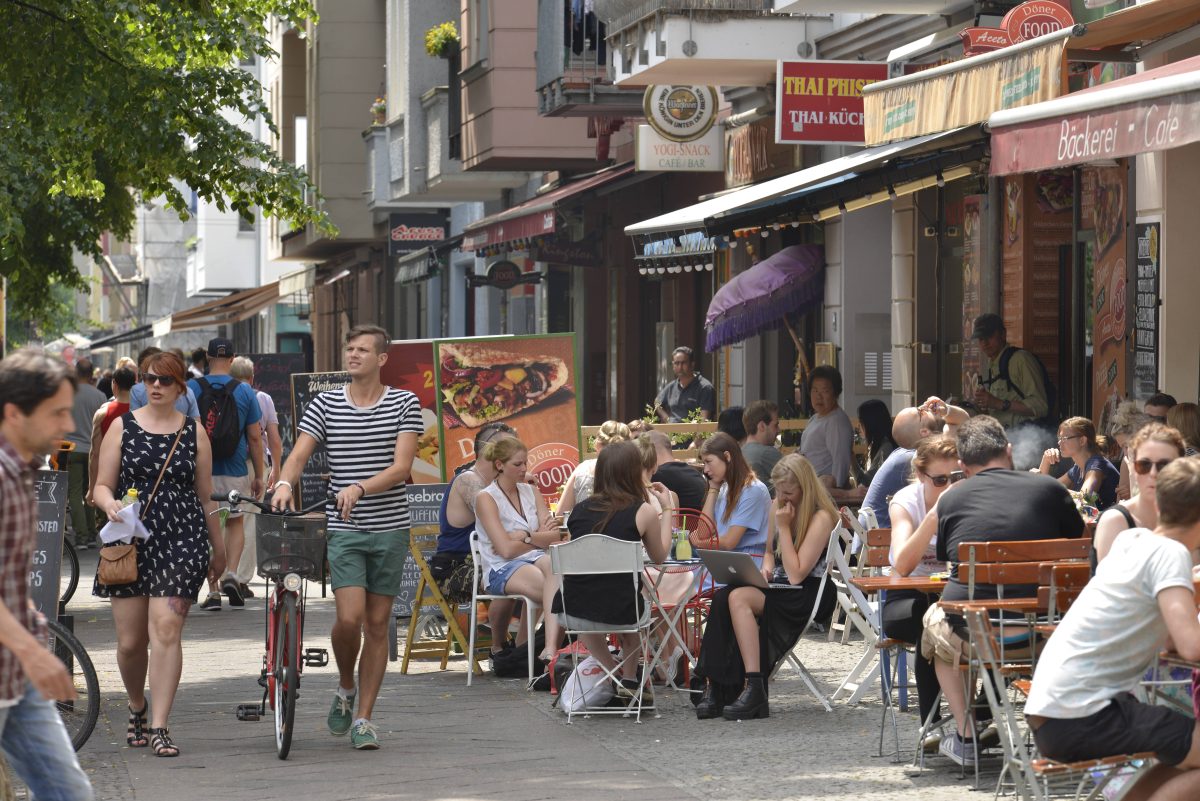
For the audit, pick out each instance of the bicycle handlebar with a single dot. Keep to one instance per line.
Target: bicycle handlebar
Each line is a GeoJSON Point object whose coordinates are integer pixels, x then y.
{"type": "Point", "coordinates": [233, 498]}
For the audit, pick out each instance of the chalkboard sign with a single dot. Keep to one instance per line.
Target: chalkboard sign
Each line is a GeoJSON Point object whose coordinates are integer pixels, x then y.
{"type": "Point", "coordinates": [51, 486]}
{"type": "Point", "coordinates": [273, 375]}
{"type": "Point", "coordinates": [424, 507]}
{"type": "Point", "coordinates": [314, 480]}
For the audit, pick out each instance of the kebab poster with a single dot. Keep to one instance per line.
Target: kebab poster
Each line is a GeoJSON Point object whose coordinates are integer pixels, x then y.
{"type": "Point", "coordinates": [1104, 205]}
{"type": "Point", "coordinates": [526, 382]}
{"type": "Point", "coordinates": [409, 366]}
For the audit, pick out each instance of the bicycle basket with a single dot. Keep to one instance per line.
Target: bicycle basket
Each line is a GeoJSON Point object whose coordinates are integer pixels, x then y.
{"type": "Point", "coordinates": [290, 545]}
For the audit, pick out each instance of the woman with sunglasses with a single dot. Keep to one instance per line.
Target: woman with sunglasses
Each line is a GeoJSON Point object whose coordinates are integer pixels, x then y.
{"type": "Point", "coordinates": [1091, 472]}
{"type": "Point", "coordinates": [1152, 448]}
{"type": "Point", "coordinates": [914, 553]}
{"type": "Point", "coordinates": [173, 562]}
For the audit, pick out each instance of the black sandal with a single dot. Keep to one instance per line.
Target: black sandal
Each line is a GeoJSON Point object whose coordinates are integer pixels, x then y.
{"type": "Point", "coordinates": [162, 744]}
{"type": "Point", "coordinates": [135, 733]}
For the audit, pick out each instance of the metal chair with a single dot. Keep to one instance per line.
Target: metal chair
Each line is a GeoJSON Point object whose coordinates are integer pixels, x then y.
{"type": "Point", "coordinates": [478, 594]}
{"type": "Point", "coordinates": [599, 554]}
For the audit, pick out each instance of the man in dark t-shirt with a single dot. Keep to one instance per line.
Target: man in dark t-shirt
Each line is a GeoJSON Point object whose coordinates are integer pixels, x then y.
{"type": "Point", "coordinates": [682, 479]}
{"type": "Point", "coordinates": [994, 504]}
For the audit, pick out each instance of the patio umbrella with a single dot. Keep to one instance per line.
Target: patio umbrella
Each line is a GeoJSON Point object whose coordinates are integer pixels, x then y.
{"type": "Point", "coordinates": [759, 299]}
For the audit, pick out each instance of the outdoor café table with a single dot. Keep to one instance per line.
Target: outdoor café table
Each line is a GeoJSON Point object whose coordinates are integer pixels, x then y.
{"type": "Point", "coordinates": [873, 584]}
{"type": "Point", "coordinates": [670, 615]}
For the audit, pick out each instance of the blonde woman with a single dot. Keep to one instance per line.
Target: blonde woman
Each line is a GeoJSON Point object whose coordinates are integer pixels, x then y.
{"type": "Point", "coordinates": [1151, 449]}
{"type": "Point", "coordinates": [749, 630]}
{"type": "Point", "coordinates": [579, 483]}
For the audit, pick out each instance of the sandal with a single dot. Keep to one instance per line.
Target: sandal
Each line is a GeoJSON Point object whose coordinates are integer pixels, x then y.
{"type": "Point", "coordinates": [161, 742]}
{"type": "Point", "coordinates": [135, 733]}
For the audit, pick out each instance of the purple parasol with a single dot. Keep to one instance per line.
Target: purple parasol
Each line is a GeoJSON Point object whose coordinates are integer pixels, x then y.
{"type": "Point", "coordinates": [790, 282]}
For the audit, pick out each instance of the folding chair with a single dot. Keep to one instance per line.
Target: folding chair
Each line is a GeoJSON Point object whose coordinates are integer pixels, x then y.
{"type": "Point", "coordinates": [599, 554]}
{"type": "Point", "coordinates": [478, 594]}
{"type": "Point", "coordinates": [854, 541]}
{"type": "Point", "coordinates": [835, 544]}
{"type": "Point", "coordinates": [861, 614]}
{"type": "Point", "coordinates": [1032, 778]}
{"type": "Point", "coordinates": [432, 625]}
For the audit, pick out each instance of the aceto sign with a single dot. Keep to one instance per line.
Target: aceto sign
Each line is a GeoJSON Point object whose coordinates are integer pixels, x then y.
{"type": "Point", "coordinates": [656, 153]}
{"type": "Point", "coordinates": [409, 232]}
{"type": "Point", "coordinates": [821, 103]}
{"type": "Point", "coordinates": [680, 113]}
{"type": "Point", "coordinates": [1026, 21]}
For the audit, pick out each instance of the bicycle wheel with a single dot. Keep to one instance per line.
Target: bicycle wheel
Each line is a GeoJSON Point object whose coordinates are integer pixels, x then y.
{"type": "Point", "coordinates": [287, 672]}
{"type": "Point", "coordinates": [79, 715]}
{"type": "Point", "coordinates": [68, 577]}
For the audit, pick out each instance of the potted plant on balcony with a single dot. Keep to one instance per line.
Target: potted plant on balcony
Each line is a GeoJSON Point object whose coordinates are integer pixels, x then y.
{"type": "Point", "coordinates": [379, 111]}
{"type": "Point", "coordinates": [441, 41]}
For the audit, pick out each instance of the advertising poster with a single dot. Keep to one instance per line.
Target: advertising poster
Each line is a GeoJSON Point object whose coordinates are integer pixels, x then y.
{"type": "Point", "coordinates": [821, 102]}
{"type": "Point", "coordinates": [1109, 196]}
{"type": "Point", "coordinates": [526, 382]}
{"type": "Point", "coordinates": [972, 263]}
{"type": "Point", "coordinates": [1149, 271]}
{"type": "Point", "coordinates": [410, 367]}
{"type": "Point", "coordinates": [314, 479]}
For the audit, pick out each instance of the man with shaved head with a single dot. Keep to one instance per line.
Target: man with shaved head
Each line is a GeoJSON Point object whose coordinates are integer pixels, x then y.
{"type": "Point", "coordinates": [680, 478]}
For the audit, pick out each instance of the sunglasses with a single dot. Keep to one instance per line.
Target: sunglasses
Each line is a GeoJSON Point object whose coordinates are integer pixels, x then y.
{"type": "Point", "coordinates": [1143, 466]}
{"type": "Point", "coordinates": [943, 480]}
{"type": "Point", "coordinates": [161, 380]}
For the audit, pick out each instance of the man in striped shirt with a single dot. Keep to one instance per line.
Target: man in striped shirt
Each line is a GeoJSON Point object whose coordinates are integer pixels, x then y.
{"type": "Point", "coordinates": [370, 434]}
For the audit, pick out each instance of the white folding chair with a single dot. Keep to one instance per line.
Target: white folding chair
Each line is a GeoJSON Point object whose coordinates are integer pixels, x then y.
{"type": "Point", "coordinates": [791, 658]}
{"type": "Point", "coordinates": [599, 554]}
{"type": "Point", "coordinates": [478, 594]}
{"type": "Point", "coordinates": [854, 543]}
{"type": "Point", "coordinates": [861, 613]}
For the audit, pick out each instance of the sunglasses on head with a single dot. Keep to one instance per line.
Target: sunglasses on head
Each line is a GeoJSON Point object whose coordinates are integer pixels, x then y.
{"type": "Point", "coordinates": [161, 380]}
{"type": "Point", "coordinates": [1142, 466]}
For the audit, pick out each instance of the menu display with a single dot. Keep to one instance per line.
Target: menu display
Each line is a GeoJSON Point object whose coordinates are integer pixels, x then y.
{"type": "Point", "coordinates": [1149, 268]}
{"type": "Point", "coordinates": [51, 486]}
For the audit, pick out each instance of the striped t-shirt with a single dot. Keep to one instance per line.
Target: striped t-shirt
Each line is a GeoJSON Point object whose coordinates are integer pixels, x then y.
{"type": "Point", "coordinates": [361, 443]}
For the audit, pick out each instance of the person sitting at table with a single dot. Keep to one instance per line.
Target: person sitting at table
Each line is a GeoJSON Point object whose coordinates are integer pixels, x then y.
{"type": "Point", "coordinates": [681, 478]}
{"type": "Point", "coordinates": [1185, 418]}
{"type": "Point", "coordinates": [579, 483]}
{"type": "Point", "coordinates": [619, 508]}
{"type": "Point", "coordinates": [875, 424]}
{"type": "Point", "coordinates": [736, 501]}
{"type": "Point", "coordinates": [1152, 449]}
{"type": "Point", "coordinates": [935, 461]}
{"type": "Point", "coordinates": [1092, 474]}
{"type": "Point", "coordinates": [764, 624]}
{"type": "Point", "coordinates": [730, 422]}
{"type": "Point", "coordinates": [994, 504]}
{"type": "Point", "coordinates": [517, 528]}
{"type": "Point", "coordinates": [1081, 703]}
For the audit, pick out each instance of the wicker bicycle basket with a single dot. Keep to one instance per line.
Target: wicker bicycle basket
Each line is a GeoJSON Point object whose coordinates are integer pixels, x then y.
{"type": "Point", "coordinates": [290, 545]}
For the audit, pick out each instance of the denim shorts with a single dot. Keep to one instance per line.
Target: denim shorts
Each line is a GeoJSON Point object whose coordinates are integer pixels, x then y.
{"type": "Point", "coordinates": [38, 749]}
{"type": "Point", "coordinates": [498, 577]}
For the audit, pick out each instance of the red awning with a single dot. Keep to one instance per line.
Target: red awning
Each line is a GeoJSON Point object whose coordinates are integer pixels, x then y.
{"type": "Point", "coordinates": [534, 217]}
{"type": "Point", "coordinates": [1154, 110]}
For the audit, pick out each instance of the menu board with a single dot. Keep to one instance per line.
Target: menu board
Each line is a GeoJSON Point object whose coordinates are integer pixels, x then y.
{"type": "Point", "coordinates": [526, 382]}
{"type": "Point", "coordinates": [314, 476]}
{"type": "Point", "coordinates": [1108, 190]}
{"type": "Point", "coordinates": [409, 366]}
{"type": "Point", "coordinates": [51, 487]}
{"type": "Point", "coordinates": [972, 359]}
{"type": "Point", "coordinates": [1149, 270]}
{"type": "Point", "coordinates": [273, 375]}
{"type": "Point", "coordinates": [425, 507]}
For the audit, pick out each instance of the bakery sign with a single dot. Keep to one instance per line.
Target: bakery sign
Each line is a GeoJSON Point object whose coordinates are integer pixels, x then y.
{"type": "Point", "coordinates": [1022, 23]}
{"type": "Point", "coordinates": [409, 232]}
{"type": "Point", "coordinates": [821, 102]}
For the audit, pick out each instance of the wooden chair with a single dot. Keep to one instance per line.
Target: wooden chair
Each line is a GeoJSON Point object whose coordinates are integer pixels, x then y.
{"type": "Point", "coordinates": [1059, 584]}
{"type": "Point", "coordinates": [433, 625]}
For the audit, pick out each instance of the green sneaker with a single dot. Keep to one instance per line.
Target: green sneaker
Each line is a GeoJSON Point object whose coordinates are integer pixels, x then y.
{"type": "Point", "coordinates": [341, 714]}
{"type": "Point", "coordinates": [364, 737]}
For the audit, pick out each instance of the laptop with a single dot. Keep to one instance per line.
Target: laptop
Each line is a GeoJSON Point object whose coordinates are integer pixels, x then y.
{"type": "Point", "coordinates": [733, 567]}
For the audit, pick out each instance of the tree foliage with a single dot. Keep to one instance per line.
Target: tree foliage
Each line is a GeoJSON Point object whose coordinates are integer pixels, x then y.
{"type": "Point", "coordinates": [105, 100]}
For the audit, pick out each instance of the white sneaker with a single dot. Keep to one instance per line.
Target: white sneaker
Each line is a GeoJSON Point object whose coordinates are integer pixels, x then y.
{"type": "Point", "coordinates": [957, 750]}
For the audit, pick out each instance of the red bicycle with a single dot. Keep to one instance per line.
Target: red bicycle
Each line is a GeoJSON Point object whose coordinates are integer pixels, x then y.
{"type": "Point", "coordinates": [291, 548]}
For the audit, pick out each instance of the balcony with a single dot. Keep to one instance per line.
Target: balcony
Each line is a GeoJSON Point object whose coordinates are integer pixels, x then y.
{"type": "Point", "coordinates": [572, 67]}
{"type": "Point", "coordinates": [713, 42]}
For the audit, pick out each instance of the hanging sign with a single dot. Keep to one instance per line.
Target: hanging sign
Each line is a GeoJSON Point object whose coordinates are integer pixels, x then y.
{"type": "Point", "coordinates": [680, 113]}
{"type": "Point", "coordinates": [409, 232]}
{"type": "Point", "coordinates": [821, 102]}
{"type": "Point", "coordinates": [504, 275]}
{"type": "Point", "coordinates": [1026, 21]}
{"type": "Point", "coordinates": [656, 153]}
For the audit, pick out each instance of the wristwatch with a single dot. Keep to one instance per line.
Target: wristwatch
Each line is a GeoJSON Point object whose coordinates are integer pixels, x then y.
{"type": "Point", "coordinates": [529, 539]}
{"type": "Point", "coordinates": [1004, 407]}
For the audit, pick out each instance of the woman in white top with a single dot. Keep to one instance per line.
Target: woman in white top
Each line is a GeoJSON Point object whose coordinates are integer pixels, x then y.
{"type": "Point", "coordinates": [579, 483]}
{"type": "Point", "coordinates": [913, 554]}
{"type": "Point", "coordinates": [518, 528]}
{"type": "Point", "coordinates": [1151, 449]}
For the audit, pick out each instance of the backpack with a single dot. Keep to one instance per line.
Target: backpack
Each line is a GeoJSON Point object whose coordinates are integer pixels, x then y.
{"type": "Point", "coordinates": [1050, 421]}
{"type": "Point", "coordinates": [219, 416]}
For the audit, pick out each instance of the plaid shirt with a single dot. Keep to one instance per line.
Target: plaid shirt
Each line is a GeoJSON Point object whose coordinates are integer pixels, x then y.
{"type": "Point", "coordinates": [18, 535]}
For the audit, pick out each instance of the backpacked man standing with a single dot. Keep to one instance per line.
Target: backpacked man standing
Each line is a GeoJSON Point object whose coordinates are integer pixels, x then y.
{"type": "Point", "coordinates": [1013, 386]}
{"type": "Point", "coordinates": [38, 393]}
{"type": "Point", "coordinates": [370, 433]}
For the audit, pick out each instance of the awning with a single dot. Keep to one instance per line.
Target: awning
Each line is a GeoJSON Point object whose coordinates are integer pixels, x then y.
{"type": "Point", "coordinates": [222, 311]}
{"type": "Point", "coordinates": [1154, 110]}
{"type": "Point", "coordinates": [535, 217]}
{"type": "Point", "coordinates": [759, 299]}
{"type": "Point", "coordinates": [297, 281]}
{"type": "Point", "coordinates": [971, 90]}
{"type": "Point", "coordinates": [420, 265]}
{"type": "Point", "coordinates": [120, 338]}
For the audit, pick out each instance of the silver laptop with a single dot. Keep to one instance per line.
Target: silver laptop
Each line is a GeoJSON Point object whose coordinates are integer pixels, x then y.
{"type": "Point", "coordinates": [733, 567]}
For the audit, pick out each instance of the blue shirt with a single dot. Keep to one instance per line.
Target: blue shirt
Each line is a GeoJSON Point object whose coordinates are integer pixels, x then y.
{"type": "Point", "coordinates": [753, 511]}
{"type": "Point", "coordinates": [891, 478]}
{"type": "Point", "coordinates": [1106, 493]}
{"type": "Point", "coordinates": [185, 404]}
{"type": "Point", "coordinates": [248, 412]}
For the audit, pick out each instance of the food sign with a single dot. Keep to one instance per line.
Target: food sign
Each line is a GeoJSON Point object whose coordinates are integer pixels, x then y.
{"type": "Point", "coordinates": [1026, 21]}
{"type": "Point", "coordinates": [820, 102]}
{"type": "Point", "coordinates": [526, 382]}
{"type": "Point", "coordinates": [409, 366]}
{"type": "Point", "coordinates": [1105, 197]}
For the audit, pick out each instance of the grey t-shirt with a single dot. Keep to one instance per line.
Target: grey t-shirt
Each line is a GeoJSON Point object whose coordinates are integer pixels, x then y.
{"type": "Point", "coordinates": [680, 401]}
{"type": "Point", "coordinates": [891, 478]}
{"type": "Point", "coordinates": [87, 400]}
{"type": "Point", "coordinates": [828, 443]}
{"type": "Point", "coordinates": [762, 459]}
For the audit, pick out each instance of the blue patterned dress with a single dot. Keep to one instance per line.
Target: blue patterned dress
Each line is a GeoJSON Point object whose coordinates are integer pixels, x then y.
{"type": "Point", "coordinates": [174, 561]}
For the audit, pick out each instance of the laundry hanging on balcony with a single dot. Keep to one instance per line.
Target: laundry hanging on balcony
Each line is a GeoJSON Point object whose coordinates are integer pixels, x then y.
{"type": "Point", "coordinates": [759, 299]}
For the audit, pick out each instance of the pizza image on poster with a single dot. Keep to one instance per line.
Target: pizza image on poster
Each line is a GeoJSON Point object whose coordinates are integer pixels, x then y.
{"type": "Point", "coordinates": [526, 382]}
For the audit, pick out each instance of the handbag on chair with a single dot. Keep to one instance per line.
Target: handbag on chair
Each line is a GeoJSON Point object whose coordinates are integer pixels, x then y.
{"type": "Point", "coordinates": [118, 563]}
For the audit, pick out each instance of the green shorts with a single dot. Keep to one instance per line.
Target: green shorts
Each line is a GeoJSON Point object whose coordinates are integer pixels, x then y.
{"type": "Point", "coordinates": [370, 559]}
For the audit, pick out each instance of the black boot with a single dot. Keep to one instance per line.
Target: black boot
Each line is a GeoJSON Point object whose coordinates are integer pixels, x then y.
{"type": "Point", "coordinates": [711, 703]}
{"type": "Point", "coordinates": [752, 703]}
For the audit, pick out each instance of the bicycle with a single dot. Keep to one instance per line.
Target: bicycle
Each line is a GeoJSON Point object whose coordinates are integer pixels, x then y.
{"type": "Point", "coordinates": [68, 579]}
{"type": "Point", "coordinates": [291, 548]}
{"type": "Point", "coordinates": [80, 715]}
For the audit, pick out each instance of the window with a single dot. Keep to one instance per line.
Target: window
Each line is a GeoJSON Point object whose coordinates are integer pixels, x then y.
{"type": "Point", "coordinates": [248, 226]}
{"type": "Point", "coordinates": [479, 22]}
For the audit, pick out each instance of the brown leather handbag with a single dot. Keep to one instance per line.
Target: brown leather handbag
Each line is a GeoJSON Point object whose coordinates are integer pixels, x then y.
{"type": "Point", "coordinates": [118, 563]}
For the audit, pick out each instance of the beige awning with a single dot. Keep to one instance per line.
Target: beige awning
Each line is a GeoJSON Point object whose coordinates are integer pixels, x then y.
{"type": "Point", "coordinates": [222, 311]}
